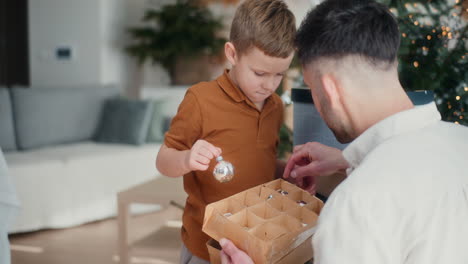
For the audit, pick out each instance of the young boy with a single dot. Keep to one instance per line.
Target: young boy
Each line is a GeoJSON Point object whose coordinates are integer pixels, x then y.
{"type": "Point", "coordinates": [237, 115]}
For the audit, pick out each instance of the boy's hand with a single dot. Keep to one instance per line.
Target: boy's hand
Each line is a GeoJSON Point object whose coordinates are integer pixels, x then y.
{"type": "Point", "coordinates": [232, 255]}
{"type": "Point", "coordinates": [199, 157]}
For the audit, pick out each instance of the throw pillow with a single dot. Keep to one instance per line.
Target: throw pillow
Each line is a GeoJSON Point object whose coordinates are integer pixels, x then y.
{"type": "Point", "coordinates": [124, 121]}
{"type": "Point", "coordinates": [156, 129]}
{"type": "Point", "coordinates": [167, 123]}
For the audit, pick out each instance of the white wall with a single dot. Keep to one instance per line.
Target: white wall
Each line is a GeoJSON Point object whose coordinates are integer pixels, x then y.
{"type": "Point", "coordinates": [111, 39]}
{"type": "Point", "coordinates": [150, 75]}
{"type": "Point", "coordinates": [155, 75]}
{"type": "Point", "coordinates": [300, 8]}
{"type": "Point", "coordinates": [63, 22]}
{"type": "Point", "coordinates": [95, 29]}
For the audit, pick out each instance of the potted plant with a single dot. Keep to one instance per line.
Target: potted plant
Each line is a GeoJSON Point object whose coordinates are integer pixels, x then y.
{"type": "Point", "coordinates": [175, 35]}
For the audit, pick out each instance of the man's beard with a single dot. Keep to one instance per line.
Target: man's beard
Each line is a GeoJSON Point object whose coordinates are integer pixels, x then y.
{"type": "Point", "coordinates": [341, 132]}
{"type": "Point", "coordinates": [342, 136]}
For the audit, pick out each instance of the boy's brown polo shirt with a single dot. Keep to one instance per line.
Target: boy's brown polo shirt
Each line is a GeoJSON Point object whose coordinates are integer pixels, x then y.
{"type": "Point", "coordinates": [221, 114]}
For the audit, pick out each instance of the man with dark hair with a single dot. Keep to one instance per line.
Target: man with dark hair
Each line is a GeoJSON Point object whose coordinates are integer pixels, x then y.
{"type": "Point", "coordinates": [405, 198]}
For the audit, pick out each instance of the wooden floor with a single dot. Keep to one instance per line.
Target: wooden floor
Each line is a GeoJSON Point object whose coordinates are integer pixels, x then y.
{"type": "Point", "coordinates": [97, 242]}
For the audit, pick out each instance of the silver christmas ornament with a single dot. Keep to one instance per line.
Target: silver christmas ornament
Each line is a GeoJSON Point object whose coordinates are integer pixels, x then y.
{"type": "Point", "coordinates": [223, 171]}
{"type": "Point", "coordinates": [282, 192]}
{"type": "Point", "coordinates": [301, 203]}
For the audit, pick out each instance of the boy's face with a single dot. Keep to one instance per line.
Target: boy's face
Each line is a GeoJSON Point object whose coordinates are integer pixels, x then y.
{"type": "Point", "coordinates": [257, 74]}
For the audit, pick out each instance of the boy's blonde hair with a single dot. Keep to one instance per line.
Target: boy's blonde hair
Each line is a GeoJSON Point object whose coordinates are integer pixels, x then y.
{"type": "Point", "coordinates": [266, 24]}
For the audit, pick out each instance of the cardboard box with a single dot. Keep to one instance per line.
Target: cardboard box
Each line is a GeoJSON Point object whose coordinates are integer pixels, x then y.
{"type": "Point", "coordinates": [269, 222]}
{"type": "Point", "coordinates": [299, 255]}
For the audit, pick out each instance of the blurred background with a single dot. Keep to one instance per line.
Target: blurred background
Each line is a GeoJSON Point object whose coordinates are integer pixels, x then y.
{"type": "Point", "coordinates": [88, 88]}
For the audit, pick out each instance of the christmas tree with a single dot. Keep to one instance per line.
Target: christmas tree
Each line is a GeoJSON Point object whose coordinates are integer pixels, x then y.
{"type": "Point", "coordinates": [433, 53]}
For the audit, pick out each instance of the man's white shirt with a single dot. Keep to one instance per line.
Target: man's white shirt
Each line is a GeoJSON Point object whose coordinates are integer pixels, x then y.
{"type": "Point", "coordinates": [405, 199]}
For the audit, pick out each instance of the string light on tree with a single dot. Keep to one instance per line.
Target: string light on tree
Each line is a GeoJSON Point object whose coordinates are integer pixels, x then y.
{"type": "Point", "coordinates": [431, 55]}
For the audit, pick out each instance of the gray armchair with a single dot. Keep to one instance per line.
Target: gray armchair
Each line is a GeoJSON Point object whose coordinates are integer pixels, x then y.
{"type": "Point", "coordinates": [9, 205]}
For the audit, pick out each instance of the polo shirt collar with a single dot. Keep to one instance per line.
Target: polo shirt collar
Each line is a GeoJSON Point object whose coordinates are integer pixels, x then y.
{"type": "Point", "coordinates": [230, 88]}
{"type": "Point", "coordinates": [394, 125]}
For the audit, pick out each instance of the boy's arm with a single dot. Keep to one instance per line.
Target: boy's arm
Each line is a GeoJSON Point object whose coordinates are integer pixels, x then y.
{"type": "Point", "coordinates": [182, 150]}
{"type": "Point", "coordinates": [171, 162]}
{"type": "Point", "coordinates": [175, 163]}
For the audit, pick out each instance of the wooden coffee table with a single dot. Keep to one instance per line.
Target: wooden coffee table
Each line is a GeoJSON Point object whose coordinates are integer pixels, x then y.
{"type": "Point", "coordinates": [164, 191]}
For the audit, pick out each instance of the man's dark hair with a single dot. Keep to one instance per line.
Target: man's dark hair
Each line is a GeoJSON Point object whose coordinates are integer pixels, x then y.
{"type": "Point", "coordinates": [338, 28]}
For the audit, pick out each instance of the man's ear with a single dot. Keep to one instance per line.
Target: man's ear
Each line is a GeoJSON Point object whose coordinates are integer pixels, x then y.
{"type": "Point", "coordinates": [231, 53]}
{"type": "Point", "coordinates": [331, 89]}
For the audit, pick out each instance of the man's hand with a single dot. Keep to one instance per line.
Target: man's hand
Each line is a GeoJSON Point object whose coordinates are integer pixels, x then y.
{"type": "Point", "coordinates": [230, 254]}
{"type": "Point", "coordinates": [312, 160]}
{"type": "Point", "coordinates": [307, 183]}
{"type": "Point", "coordinates": [199, 157]}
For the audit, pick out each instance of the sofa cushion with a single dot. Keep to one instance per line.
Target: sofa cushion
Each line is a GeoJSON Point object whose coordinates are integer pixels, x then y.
{"type": "Point", "coordinates": [7, 131]}
{"type": "Point", "coordinates": [7, 188]}
{"type": "Point", "coordinates": [71, 184]}
{"type": "Point", "coordinates": [172, 97]}
{"type": "Point", "coordinates": [54, 115]}
{"type": "Point", "coordinates": [124, 121]}
{"type": "Point", "coordinates": [157, 124]}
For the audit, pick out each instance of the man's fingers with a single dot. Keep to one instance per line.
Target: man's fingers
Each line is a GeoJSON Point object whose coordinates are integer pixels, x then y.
{"type": "Point", "coordinates": [235, 255]}
{"type": "Point", "coordinates": [299, 183]}
{"type": "Point", "coordinates": [297, 147]}
{"type": "Point", "coordinates": [312, 189]}
{"type": "Point", "coordinates": [225, 258]}
{"type": "Point", "coordinates": [295, 159]}
{"type": "Point", "coordinates": [308, 182]}
{"type": "Point", "coordinates": [288, 168]}
{"type": "Point", "coordinates": [228, 247]}
{"type": "Point", "coordinates": [308, 170]}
